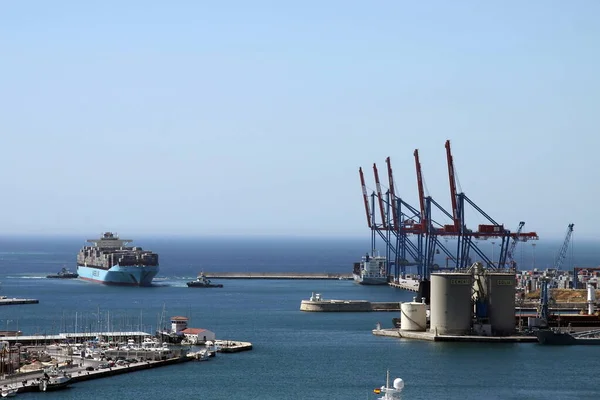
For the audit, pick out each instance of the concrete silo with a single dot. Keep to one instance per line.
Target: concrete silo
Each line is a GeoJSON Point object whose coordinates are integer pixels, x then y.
{"type": "Point", "coordinates": [451, 303]}
{"type": "Point", "coordinates": [501, 302]}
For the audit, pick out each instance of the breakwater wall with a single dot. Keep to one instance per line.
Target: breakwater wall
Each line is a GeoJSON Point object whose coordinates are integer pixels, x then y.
{"type": "Point", "coordinates": [276, 275]}
{"type": "Point", "coordinates": [348, 306]}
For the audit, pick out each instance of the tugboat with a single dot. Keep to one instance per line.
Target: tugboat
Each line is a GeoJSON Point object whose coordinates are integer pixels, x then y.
{"type": "Point", "coordinates": [64, 274]}
{"type": "Point", "coordinates": [203, 282]}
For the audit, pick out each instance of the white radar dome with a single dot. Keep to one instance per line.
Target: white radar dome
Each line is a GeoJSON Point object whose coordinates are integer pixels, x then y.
{"type": "Point", "coordinates": [398, 384]}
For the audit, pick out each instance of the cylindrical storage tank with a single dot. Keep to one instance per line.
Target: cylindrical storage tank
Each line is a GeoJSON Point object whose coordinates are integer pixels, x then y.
{"type": "Point", "coordinates": [591, 298]}
{"type": "Point", "coordinates": [501, 302]}
{"type": "Point", "coordinates": [451, 305]}
{"type": "Point", "coordinates": [591, 292]}
{"type": "Point", "coordinates": [413, 316]}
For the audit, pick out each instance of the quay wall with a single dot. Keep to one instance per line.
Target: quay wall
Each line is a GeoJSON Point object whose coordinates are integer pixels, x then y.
{"type": "Point", "coordinates": [431, 336]}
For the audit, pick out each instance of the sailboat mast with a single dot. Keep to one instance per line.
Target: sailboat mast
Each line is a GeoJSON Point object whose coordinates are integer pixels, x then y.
{"type": "Point", "coordinates": [387, 379]}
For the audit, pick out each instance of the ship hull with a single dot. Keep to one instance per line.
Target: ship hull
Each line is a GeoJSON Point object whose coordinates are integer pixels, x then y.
{"type": "Point", "coordinates": [368, 280]}
{"type": "Point", "coordinates": [549, 337]}
{"type": "Point", "coordinates": [119, 275]}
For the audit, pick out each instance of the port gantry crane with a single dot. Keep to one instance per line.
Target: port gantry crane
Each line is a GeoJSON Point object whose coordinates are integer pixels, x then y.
{"type": "Point", "coordinates": [395, 227]}
{"type": "Point", "coordinates": [409, 232]}
{"type": "Point", "coordinates": [403, 216]}
{"type": "Point", "coordinates": [428, 227]}
{"type": "Point", "coordinates": [465, 236]}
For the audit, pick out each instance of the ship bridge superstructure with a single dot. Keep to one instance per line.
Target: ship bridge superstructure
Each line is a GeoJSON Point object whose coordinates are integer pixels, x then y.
{"type": "Point", "coordinates": [109, 241]}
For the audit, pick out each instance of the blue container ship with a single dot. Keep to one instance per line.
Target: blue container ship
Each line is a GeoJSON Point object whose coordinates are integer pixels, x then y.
{"type": "Point", "coordinates": [110, 261]}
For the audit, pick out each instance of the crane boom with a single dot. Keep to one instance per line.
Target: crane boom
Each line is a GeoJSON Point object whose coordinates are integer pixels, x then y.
{"type": "Point", "coordinates": [452, 181]}
{"type": "Point", "coordinates": [393, 194]}
{"type": "Point", "coordinates": [563, 250]}
{"type": "Point", "coordinates": [424, 222]}
{"type": "Point", "coordinates": [365, 196]}
{"type": "Point", "coordinates": [513, 245]}
{"type": "Point", "coordinates": [380, 197]}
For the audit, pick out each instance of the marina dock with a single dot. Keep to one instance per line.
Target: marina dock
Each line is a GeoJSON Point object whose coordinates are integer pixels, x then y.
{"type": "Point", "coordinates": [277, 275]}
{"type": "Point", "coordinates": [228, 346]}
{"type": "Point", "coordinates": [432, 336]}
{"type": "Point", "coordinates": [4, 301]}
{"type": "Point", "coordinates": [81, 371]}
{"type": "Point", "coordinates": [79, 374]}
{"type": "Point", "coordinates": [28, 340]}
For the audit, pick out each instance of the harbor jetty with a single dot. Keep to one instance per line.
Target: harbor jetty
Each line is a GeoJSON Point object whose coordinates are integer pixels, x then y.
{"type": "Point", "coordinates": [66, 360]}
{"type": "Point", "coordinates": [277, 275]}
{"type": "Point", "coordinates": [317, 304]}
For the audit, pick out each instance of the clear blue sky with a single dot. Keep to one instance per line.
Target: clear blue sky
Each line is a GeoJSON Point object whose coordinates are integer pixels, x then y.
{"type": "Point", "coordinates": [252, 117]}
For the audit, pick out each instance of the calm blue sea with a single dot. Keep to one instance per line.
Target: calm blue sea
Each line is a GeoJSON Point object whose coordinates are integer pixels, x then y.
{"type": "Point", "coordinates": [296, 355]}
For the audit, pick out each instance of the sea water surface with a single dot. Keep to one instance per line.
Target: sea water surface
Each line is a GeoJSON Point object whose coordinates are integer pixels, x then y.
{"type": "Point", "coordinates": [296, 355]}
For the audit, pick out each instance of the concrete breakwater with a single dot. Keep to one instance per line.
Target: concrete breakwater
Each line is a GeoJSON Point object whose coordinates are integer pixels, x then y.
{"type": "Point", "coordinates": [320, 305]}
{"type": "Point", "coordinates": [276, 275]}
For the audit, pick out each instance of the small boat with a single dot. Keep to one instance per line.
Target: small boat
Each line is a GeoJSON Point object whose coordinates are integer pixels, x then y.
{"type": "Point", "coordinates": [390, 392]}
{"type": "Point", "coordinates": [8, 391]}
{"type": "Point", "coordinates": [562, 338]}
{"type": "Point", "coordinates": [54, 380]}
{"type": "Point", "coordinates": [64, 274]}
{"type": "Point", "coordinates": [203, 282]}
{"type": "Point", "coordinates": [201, 355]}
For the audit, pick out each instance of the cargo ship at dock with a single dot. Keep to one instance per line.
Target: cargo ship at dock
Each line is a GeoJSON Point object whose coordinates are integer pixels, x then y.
{"type": "Point", "coordinates": [371, 270]}
{"type": "Point", "coordinates": [111, 262]}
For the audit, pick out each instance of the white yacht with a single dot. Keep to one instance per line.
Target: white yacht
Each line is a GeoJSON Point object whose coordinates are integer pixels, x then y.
{"type": "Point", "coordinates": [390, 392]}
